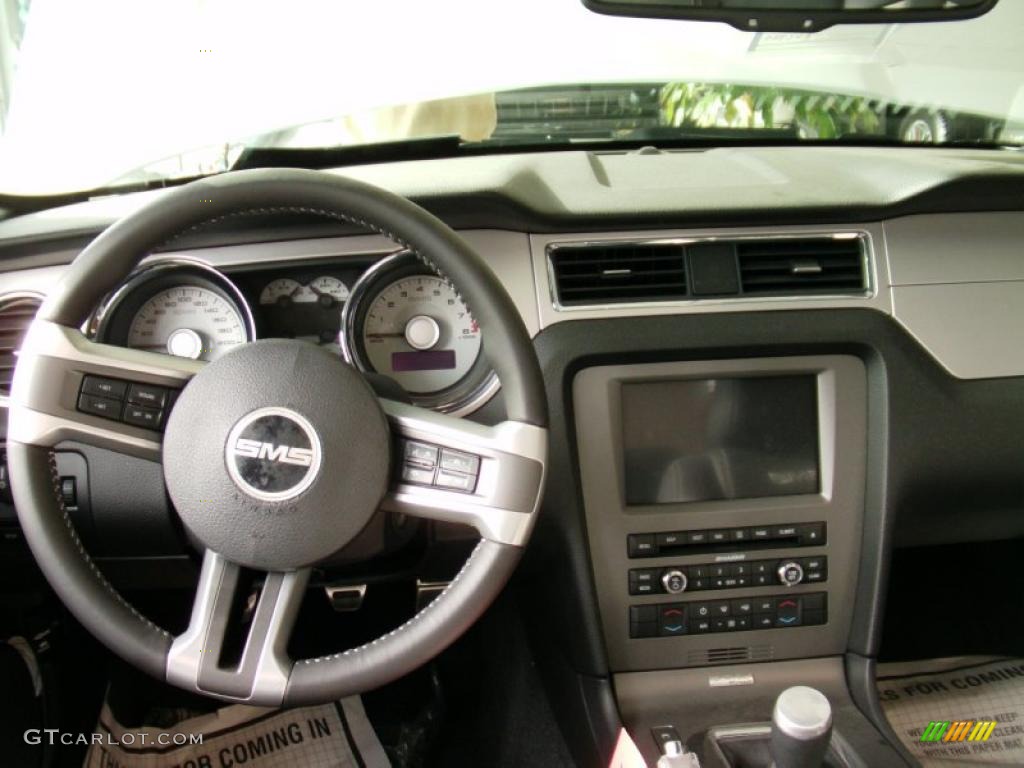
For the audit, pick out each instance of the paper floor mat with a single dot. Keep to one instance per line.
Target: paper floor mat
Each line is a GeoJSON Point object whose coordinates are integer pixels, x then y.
{"type": "Point", "coordinates": [335, 735]}
{"type": "Point", "coordinates": [974, 689]}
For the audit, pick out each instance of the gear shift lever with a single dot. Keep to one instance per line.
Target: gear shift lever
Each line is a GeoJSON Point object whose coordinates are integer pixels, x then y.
{"type": "Point", "coordinates": [801, 728]}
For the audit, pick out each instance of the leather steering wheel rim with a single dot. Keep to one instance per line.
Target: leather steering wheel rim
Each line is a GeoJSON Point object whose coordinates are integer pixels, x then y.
{"type": "Point", "coordinates": [56, 356]}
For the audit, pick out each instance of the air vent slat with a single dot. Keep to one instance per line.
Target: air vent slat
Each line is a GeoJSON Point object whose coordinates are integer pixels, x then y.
{"type": "Point", "coordinates": [795, 266]}
{"type": "Point", "coordinates": [15, 316]}
{"type": "Point", "coordinates": [613, 272]}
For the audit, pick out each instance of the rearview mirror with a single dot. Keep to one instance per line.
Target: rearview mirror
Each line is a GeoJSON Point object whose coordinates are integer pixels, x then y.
{"type": "Point", "coordinates": [795, 15]}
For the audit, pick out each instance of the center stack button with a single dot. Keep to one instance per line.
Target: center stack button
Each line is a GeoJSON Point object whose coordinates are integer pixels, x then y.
{"type": "Point", "coordinates": [674, 581]}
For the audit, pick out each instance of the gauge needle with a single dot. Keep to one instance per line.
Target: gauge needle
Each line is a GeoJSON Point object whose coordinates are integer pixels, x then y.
{"type": "Point", "coordinates": [399, 335]}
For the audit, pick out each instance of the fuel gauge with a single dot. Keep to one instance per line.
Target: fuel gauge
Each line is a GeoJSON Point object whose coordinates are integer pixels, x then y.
{"type": "Point", "coordinates": [329, 290]}
{"type": "Point", "coordinates": [282, 292]}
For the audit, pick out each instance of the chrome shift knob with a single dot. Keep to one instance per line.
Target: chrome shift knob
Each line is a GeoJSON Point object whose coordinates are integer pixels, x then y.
{"type": "Point", "coordinates": [801, 728]}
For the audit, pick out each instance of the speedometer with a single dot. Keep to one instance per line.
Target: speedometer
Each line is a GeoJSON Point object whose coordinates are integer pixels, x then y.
{"type": "Point", "coordinates": [419, 332]}
{"type": "Point", "coordinates": [413, 327]}
{"type": "Point", "coordinates": [177, 307]}
{"type": "Point", "coordinates": [187, 321]}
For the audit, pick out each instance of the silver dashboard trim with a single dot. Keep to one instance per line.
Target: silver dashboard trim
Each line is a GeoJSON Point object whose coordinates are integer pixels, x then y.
{"type": "Point", "coordinates": [867, 258]}
{"type": "Point", "coordinates": [946, 311]}
{"type": "Point", "coordinates": [875, 255]}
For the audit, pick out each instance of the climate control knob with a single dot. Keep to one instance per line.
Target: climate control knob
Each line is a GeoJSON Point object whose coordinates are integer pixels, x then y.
{"type": "Point", "coordinates": [790, 573]}
{"type": "Point", "coordinates": [674, 581]}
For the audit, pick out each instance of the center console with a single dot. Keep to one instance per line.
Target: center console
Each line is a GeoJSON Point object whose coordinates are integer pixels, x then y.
{"type": "Point", "coordinates": [724, 505]}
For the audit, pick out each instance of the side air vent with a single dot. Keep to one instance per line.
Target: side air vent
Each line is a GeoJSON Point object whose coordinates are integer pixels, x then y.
{"type": "Point", "coordinates": [730, 655]}
{"type": "Point", "coordinates": [15, 315]}
{"type": "Point", "coordinates": [799, 266]}
{"type": "Point", "coordinates": [611, 272]}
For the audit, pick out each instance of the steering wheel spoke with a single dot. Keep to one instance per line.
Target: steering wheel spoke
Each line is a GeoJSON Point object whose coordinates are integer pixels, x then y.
{"type": "Point", "coordinates": [458, 471]}
{"type": "Point", "coordinates": [218, 654]}
{"type": "Point", "coordinates": [52, 366]}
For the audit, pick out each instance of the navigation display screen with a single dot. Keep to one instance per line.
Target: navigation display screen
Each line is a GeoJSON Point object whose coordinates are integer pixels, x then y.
{"type": "Point", "coordinates": [724, 438]}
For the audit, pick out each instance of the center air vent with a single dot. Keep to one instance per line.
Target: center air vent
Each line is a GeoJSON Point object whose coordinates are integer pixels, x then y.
{"type": "Point", "coordinates": [611, 272]}
{"type": "Point", "coordinates": [713, 268]}
{"type": "Point", "coordinates": [785, 267]}
{"type": "Point", "coordinates": [15, 315]}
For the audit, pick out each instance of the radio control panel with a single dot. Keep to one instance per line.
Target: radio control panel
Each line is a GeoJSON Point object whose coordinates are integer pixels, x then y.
{"type": "Point", "coordinates": [679, 543]}
{"type": "Point", "coordinates": [699, 531]}
{"type": "Point", "coordinates": [676, 579]}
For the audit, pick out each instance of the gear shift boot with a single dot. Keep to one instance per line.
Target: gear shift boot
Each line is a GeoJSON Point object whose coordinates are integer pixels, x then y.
{"type": "Point", "coordinates": [749, 746]}
{"type": "Point", "coordinates": [799, 736]}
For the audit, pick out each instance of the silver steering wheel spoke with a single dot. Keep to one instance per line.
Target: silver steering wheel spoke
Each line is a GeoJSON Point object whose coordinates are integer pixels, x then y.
{"type": "Point", "coordinates": [53, 362]}
{"type": "Point", "coordinates": [261, 670]}
{"type": "Point", "coordinates": [458, 471]}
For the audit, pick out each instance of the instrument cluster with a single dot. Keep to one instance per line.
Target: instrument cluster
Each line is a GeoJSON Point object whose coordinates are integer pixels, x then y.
{"type": "Point", "coordinates": [392, 317]}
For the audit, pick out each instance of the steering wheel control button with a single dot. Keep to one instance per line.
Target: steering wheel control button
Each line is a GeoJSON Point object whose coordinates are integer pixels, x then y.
{"type": "Point", "coordinates": [790, 573]}
{"type": "Point", "coordinates": [418, 475]}
{"type": "Point", "coordinates": [421, 454]}
{"type": "Point", "coordinates": [273, 454]}
{"type": "Point", "coordinates": [100, 406]}
{"type": "Point", "coordinates": [674, 581]}
{"type": "Point", "coordinates": [428, 464]}
{"type": "Point", "coordinates": [140, 416]}
{"type": "Point", "coordinates": [455, 481]}
{"type": "Point", "coordinates": [456, 461]}
{"type": "Point", "coordinates": [148, 395]}
{"type": "Point", "coordinates": [100, 387]}
{"type": "Point", "coordinates": [146, 403]}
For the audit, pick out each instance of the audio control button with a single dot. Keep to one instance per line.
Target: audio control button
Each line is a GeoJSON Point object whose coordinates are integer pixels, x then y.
{"type": "Point", "coordinates": [790, 573]}
{"type": "Point", "coordinates": [674, 581]}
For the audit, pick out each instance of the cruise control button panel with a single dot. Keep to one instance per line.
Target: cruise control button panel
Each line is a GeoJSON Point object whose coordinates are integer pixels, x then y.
{"type": "Point", "coordinates": [134, 403]}
{"type": "Point", "coordinates": [431, 465]}
{"type": "Point", "coordinates": [702, 617]}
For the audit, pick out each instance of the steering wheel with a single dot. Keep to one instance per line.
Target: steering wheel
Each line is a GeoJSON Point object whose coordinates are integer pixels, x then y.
{"type": "Point", "coordinates": [275, 455]}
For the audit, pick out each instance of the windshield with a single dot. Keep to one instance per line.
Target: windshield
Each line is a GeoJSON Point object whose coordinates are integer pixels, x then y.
{"type": "Point", "coordinates": [111, 92]}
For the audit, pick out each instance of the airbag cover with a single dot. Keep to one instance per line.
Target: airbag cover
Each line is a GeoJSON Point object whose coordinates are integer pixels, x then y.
{"type": "Point", "coordinates": [277, 454]}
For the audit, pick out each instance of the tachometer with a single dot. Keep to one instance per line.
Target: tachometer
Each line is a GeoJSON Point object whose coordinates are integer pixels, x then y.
{"type": "Point", "coordinates": [187, 321]}
{"type": "Point", "coordinates": [415, 328]}
{"type": "Point", "coordinates": [419, 332]}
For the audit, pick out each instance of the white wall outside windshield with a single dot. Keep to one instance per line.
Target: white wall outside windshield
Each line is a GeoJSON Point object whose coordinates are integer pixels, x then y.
{"type": "Point", "coordinates": [104, 86]}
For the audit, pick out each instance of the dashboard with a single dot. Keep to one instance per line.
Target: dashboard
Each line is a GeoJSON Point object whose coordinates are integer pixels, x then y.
{"type": "Point", "coordinates": [392, 316]}
{"type": "Point", "coordinates": [878, 379]}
